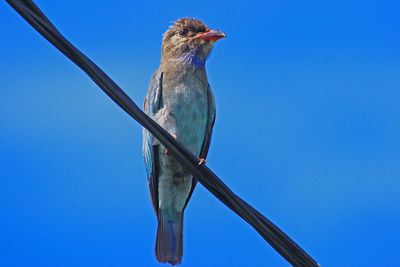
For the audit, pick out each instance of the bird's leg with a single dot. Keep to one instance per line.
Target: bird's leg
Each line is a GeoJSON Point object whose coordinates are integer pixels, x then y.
{"type": "Point", "coordinates": [166, 150]}
{"type": "Point", "coordinates": [202, 161]}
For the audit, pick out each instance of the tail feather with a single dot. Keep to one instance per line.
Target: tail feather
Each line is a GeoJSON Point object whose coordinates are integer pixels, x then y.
{"type": "Point", "coordinates": [169, 242]}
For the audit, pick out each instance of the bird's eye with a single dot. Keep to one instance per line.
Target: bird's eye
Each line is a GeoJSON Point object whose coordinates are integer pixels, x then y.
{"type": "Point", "coordinates": [184, 31]}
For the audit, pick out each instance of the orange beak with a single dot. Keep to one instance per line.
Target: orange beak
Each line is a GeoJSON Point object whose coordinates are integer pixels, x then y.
{"type": "Point", "coordinates": [211, 35]}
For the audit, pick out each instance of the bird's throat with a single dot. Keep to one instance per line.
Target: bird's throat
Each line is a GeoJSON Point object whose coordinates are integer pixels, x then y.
{"type": "Point", "coordinates": [194, 59]}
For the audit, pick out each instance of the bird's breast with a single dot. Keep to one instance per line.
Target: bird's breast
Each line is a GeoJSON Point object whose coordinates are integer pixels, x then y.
{"type": "Point", "coordinates": [187, 102]}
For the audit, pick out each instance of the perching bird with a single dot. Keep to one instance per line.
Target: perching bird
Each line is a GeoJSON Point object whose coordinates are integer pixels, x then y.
{"type": "Point", "coordinates": [180, 100]}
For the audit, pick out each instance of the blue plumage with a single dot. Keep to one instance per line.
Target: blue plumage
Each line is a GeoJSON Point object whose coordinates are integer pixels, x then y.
{"type": "Point", "coordinates": [180, 100]}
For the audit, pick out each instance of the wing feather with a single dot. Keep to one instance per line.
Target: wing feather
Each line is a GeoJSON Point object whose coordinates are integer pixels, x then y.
{"type": "Point", "coordinates": [152, 104]}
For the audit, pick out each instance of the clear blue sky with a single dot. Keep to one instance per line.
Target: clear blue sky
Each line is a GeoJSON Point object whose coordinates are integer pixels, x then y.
{"type": "Point", "coordinates": [307, 131]}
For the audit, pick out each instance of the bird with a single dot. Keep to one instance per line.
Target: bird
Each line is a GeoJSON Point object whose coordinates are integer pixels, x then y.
{"type": "Point", "coordinates": [180, 100]}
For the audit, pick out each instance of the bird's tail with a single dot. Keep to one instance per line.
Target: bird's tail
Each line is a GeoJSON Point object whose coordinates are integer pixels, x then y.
{"type": "Point", "coordinates": [169, 243]}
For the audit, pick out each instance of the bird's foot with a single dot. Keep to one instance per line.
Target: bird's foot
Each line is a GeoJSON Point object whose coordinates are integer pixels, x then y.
{"type": "Point", "coordinates": [202, 161]}
{"type": "Point", "coordinates": [166, 150]}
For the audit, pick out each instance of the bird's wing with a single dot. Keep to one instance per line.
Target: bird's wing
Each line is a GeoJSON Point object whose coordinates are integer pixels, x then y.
{"type": "Point", "coordinates": [210, 123]}
{"type": "Point", "coordinates": [152, 104]}
{"type": "Point", "coordinates": [207, 137]}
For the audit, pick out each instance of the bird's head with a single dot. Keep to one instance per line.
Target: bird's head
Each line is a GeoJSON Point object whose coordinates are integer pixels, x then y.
{"type": "Point", "coordinates": [189, 40]}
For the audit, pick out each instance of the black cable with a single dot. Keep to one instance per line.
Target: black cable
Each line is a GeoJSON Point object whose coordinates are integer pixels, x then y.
{"type": "Point", "coordinates": [271, 233]}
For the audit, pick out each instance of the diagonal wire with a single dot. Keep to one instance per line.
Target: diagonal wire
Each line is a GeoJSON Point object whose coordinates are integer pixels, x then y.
{"type": "Point", "coordinates": [271, 233]}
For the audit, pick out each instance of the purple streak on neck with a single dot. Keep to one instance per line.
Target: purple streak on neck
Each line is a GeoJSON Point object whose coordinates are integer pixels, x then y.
{"type": "Point", "coordinates": [194, 59]}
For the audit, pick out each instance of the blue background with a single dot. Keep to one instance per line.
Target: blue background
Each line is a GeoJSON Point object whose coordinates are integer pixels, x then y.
{"type": "Point", "coordinates": [307, 131]}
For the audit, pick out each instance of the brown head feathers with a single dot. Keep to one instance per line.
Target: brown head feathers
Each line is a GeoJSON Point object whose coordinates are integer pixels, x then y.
{"type": "Point", "coordinates": [187, 40]}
